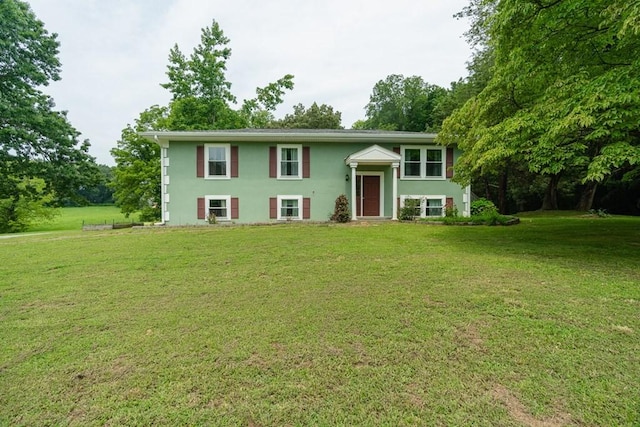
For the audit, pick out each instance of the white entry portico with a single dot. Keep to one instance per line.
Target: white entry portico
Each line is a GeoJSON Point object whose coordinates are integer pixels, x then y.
{"type": "Point", "coordinates": [373, 156]}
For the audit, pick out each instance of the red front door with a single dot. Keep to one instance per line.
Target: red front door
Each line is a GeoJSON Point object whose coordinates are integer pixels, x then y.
{"type": "Point", "coordinates": [368, 195]}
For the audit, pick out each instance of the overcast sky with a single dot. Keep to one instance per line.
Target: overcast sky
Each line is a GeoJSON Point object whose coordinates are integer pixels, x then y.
{"type": "Point", "coordinates": [114, 53]}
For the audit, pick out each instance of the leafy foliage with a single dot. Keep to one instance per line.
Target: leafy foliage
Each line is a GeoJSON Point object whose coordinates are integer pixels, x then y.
{"type": "Point", "coordinates": [341, 212]}
{"type": "Point", "coordinates": [563, 93]}
{"type": "Point", "coordinates": [18, 215]}
{"type": "Point", "coordinates": [481, 205]}
{"type": "Point", "coordinates": [201, 100]}
{"type": "Point", "coordinates": [201, 93]}
{"type": "Point", "coordinates": [136, 181]}
{"type": "Point", "coordinates": [410, 210]}
{"type": "Point", "coordinates": [315, 117]}
{"type": "Point", "coordinates": [403, 104]}
{"type": "Point", "coordinates": [36, 142]}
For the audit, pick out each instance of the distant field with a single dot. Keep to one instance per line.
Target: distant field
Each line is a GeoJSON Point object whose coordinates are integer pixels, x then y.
{"type": "Point", "coordinates": [389, 324]}
{"type": "Point", "coordinates": [73, 218]}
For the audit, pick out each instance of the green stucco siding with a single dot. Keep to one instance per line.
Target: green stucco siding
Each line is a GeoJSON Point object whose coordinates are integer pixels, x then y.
{"type": "Point", "coordinates": [253, 187]}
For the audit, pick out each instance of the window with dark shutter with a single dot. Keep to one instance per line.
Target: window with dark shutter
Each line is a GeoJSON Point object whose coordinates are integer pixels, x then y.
{"type": "Point", "coordinates": [273, 207]}
{"type": "Point", "coordinates": [200, 161]}
{"type": "Point", "coordinates": [235, 212]}
{"type": "Point", "coordinates": [273, 162]}
{"type": "Point", "coordinates": [234, 161]}
{"type": "Point", "coordinates": [306, 162]}
{"type": "Point", "coordinates": [306, 208]}
{"type": "Point", "coordinates": [201, 208]}
{"type": "Point", "coordinates": [449, 163]}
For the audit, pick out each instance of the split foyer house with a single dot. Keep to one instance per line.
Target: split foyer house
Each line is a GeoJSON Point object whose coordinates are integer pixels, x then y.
{"type": "Point", "coordinates": [251, 176]}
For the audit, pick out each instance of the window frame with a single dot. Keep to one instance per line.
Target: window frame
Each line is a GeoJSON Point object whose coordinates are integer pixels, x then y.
{"type": "Point", "coordinates": [279, 149]}
{"type": "Point", "coordinates": [227, 155]}
{"type": "Point", "coordinates": [423, 203]}
{"type": "Point", "coordinates": [226, 198]}
{"type": "Point", "coordinates": [423, 162]}
{"type": "Point", "coordinates": [282, 198]}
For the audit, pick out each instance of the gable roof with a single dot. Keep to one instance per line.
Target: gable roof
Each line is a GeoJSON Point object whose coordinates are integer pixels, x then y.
{"type": "Point", "coordinates": [373, 155]}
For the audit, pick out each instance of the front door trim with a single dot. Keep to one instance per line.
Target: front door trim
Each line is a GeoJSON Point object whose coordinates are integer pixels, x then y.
{"type": "Point", "coordinates": [381, 175]}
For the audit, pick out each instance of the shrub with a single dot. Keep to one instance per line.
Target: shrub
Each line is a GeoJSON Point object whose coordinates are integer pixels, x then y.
{"type": "Point", "coordinates": [408, 211]}
{"type": "Point", "coordinates": [341, 211]}
{"type": "Point", "coordinates": [479, 206]}
{"type": "Point", "coordinates": [451, 211]}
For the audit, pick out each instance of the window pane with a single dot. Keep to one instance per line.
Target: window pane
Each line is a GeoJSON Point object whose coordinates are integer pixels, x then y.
{"type": "Point", "coordinates": [289, 162]}
{"type": "Point", "coordinates": [218, 207]}
{"type": "Point", "coordinates": [290, 154]}
{"type": "Point", "coordinates": [434, 207]}
{"type": "Point", "coordinates": [217, 153]}
{"type": "Point", "coordinates": [412, 155]}
{"type": "Point", "coordinates": [289, 169]}
{"type": "Point", "coordinates": [289, 208]}
{"type": "Point", "coordinates": [434, 155]}
{"type": "Point", "coordinates": [412, 169]}
{"type": "Point", "coordinates": [218, 168]}
{"type": "Point", "coordinates": [434, 169]}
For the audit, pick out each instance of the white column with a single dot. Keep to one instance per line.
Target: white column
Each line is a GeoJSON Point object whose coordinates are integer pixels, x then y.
{"type": "Point", "coordinates": [394, 170]}
{"type": "Point", "coordinates": [353, 191]}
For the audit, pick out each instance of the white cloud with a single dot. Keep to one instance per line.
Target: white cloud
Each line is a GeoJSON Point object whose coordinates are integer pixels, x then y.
{"type": "Point", "coordinates": [114, 54]}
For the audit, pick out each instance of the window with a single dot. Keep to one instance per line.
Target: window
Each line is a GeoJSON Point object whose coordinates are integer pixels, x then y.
{"type": "Point", "coordinates": [433, 207]}
{"type": "Point", "coordinates": [289, 207]}
{"type": "Point", "coordinates": [422, 162]}
{"type": "Point", "coordinates": [218, 206]}
{"type": "Point", "coordinates": [289, 157]}
{"type": "Point", "coordinates": [412, 162]}
{"type": "Point", "coordinates": [218, 156]}
{"type": "Point", "coordinates": [426, 206]}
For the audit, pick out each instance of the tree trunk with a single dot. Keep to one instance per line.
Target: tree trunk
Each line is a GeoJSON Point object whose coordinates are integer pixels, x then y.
{"type": "Point", "coordinates": [550, 201]}
{"type": "Point", "coordinates": [502, 193]}
{"type": "Point", "coordinates": [588, 193]}
{"type": "Point", "coordinates": [487, 190]}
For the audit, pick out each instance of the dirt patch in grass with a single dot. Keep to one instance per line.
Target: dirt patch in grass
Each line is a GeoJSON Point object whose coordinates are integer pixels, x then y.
{"type": "Point", "coordinates": [519, 412]}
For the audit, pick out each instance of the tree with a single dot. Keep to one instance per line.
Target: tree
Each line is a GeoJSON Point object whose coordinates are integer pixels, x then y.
{"type": "Point", "coordinates": [564, 92]}
{"type": "Point", "coordinates": [37, 144]}
{"type": "Point", "coordinates": [136, 181]}
{"type": "Point", "coordinates": [101, 193]}
{"type": "Point", "coordinates": [315, 117]}
{"type": "Point", "coordinates": [201, 100]}
{"type": "Point", "coordinates": [201, 93]}
{"type": "Point", "coordinates": [403, 104]}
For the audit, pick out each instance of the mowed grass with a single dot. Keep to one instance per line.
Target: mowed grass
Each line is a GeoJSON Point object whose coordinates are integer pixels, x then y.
{"type": "Point", "coordinates": [370, 324]}
{"type": "Point", "coordinates": [73, 218]}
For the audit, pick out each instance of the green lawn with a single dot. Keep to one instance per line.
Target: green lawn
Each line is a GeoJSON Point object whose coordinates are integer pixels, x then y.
{"type": "Point", "coordinates": [370, 324]}
{"type": "Point", "coordinates": [74, 218]}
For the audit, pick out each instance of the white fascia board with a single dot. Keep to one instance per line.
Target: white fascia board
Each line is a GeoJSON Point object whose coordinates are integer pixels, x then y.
{"type": "Point", "coordinates": [162, 138]}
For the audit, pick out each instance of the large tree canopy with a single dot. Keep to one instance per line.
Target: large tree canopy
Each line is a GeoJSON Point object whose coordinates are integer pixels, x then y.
{"type": "Point", "coordinates": [403, 104]}
{"type": "Point", "coordinates": [41, 157]}
{"type": "Point", "coordinates": [201, 100]}
{"type": "Point", "coordinates": [315, 117]}
{"type": "Point", "coordinates": [564, 92]}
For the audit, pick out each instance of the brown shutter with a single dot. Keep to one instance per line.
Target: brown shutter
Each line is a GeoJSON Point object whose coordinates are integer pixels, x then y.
{"type": "Point", "coordinates": [202, 214]}
{"type": "Point", "coordinates": [235, 213]}
{"type": "Point", "coordinates": [449, 163]}
{"type": "Point", "coordinates": [306, 162]}
{"type": "Point", "coordinates": [397, 150]}
{"type": "Point", "coordinates": [273, 162]}
{"type": "Point", "coordinates": [449, 203]}
{"type": "Point", "coordinates": [234, 161]}
{"type": "Point", "coordinates": [200, 161]}
{"type": "Point", "coordinates": [306, 208]}
{"type": "Point", "coordinates": [273, 207]}
{"type": "Point", "coordinates": [399, 207]}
